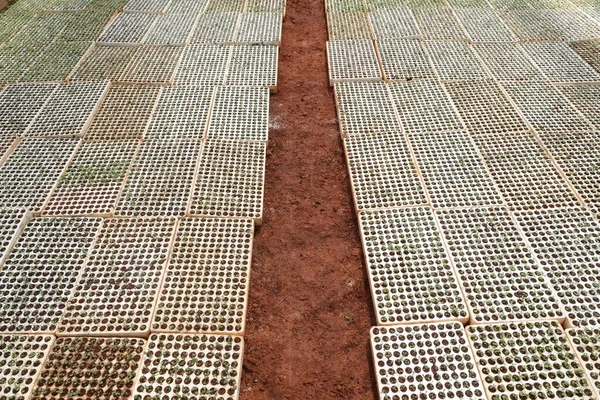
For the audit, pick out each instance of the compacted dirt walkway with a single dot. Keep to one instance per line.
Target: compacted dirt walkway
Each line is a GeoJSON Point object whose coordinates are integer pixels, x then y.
{"type": "Point", "coordinates": [310, 307]}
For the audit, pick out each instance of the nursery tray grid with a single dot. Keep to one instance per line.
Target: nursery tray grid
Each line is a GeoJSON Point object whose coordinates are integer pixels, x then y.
{"type": "Point", "coordinates": [586, 99]}
{"type": "Point", "coordinates": [454, 174]}
{"type": "Point", "coordinates": [365, 107]}
{"type": "Point", "coordinates": [181, 112]}
{"type": "Point", "coordinates": [545, 108]}
{"type": "Point", "coordinates": [410, 275]}
{"type": "Point", "coordinates": [205, 288]}
{"type": "Point", "coordinates": [455, 60]}
{"type": "Point", "coordinates": [128, 28]}
{"type": "Point", "coordinates": [484, 25]}
{"type": "Point", "coordinates": [153, 64]}
{"type": "Point", "coordinates": [230, 180]}
{"type": "Point", "coordinates": [98, 368]}
{"type": "Point", "coordinates": [559, 63]}
{"type": "Point", "coordinates": [240, 113]}
{"type": "Point", "coordinates": [403, 60]}
{"type": "Point", "coordinates": [104, 62]}
{"type": "Point", "coordinates": [567, 243]}
{"type": "Point", "coordinates": [578, 155]}
{"type": "Point", "coordinates": [254, 65]}
{"type": "Point", "coordinates": [383, 172]}
{"type": "Point", "coordinates": [484, 108]}
{"type": "Point", "coordinates": [171, 29]}
{"type": "Point", "coordinates": [32, 170]}
{"type": "Point", "coordinates": [260, 28]}
{"type": "Point", "coordinates": [124, 113]}
{"type": "Point", "coordinates": [528, 359]}
{"type": "Point", "coordinates": [216, 28]}
{"type": "Point", "coordinates": [21, 360]}
{"type": "Point", "coordinates": [586, 343]}
{"type": "Point", "coordinates": [12, 222]}
{"type": "Point", "coordinates": [41, 272]}
{"type": "Point", "coordinates": [424, 106]}
{"type": "Point", "coordinates": [20, 104]}
{"type": "Point", "coordinates": [429, 360]}
{"type": "Point", "coordinates": [393, 23]}
{"type": "Point", "coordinates": [349, 26]}
{"type": "Point", "coordinates": [524, 173]}
{"type": "Point", "coordinates": [201, 366]}
{"type": "Point", "coordinates": [69, 110]}
{"type": "Point", "coordinates": [352, 60]}
{"type": "Point", "coordinates": [438, 23]}
{"type": "Point", "coordinates": [116, 293]}
{"type": "Point", "coordinates": [507, 62]}
{"type": "Point", "coordinates": [93, 180]}
{"type": "Point", "coordinates": [500, 278]}
{"type": "Point", "coordinates": [203, 65]}
{"type": "Point", "coordinates": [160, 180]}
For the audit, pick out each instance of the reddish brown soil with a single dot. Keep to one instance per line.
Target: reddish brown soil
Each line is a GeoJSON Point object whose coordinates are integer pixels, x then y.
{"type": "Point", "coordinates": [310, 308]}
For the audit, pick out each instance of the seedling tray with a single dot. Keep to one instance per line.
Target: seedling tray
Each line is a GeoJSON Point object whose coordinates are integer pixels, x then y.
{"type": "Point", "coordinates": [393, 23]}
{"type": "Point", "coordinates": [203, 65]}
{"type": "Point", "coordinates": [567, 242]}
{"type": "Point", "coordinates": [352, 60]}
{"type": "Point", "coordinates": [437, 23]}
{"type": "Point", "coordinates": [507, 62]}
{"type": "Point", "coordinates": [69, 110]}
{"type": "Point", "coordinates": [205, 288]}
{"type": "Point", "coordinates": [230, 180]}
{"type": "Point", "coordinates": [20, 104]}
{"type": "Point", "coordinates": [349, 26]}
{"type": "Point", "coordinates": [90, 368]}
{"type": "Point", "coordinates": [153, 64]}
{"type": "Point", "coordinates": [365, 107]}
{"type": "Point", "coordinates": [559, 63]}
{"type": "Point", "coordinates": [92, 182]}
{"type": "Point", "coordinates": [7, 145]}
{"type": "Point", "coordinates": [171, 29]}
{"type": "Point", "coordinates": [32, 170]}
{"type": "Point", "coordinates": [147, 6]}
{"type": "Point", "coordinates": [455, 60]}
{"type": "Point", "coordinates": [403, 60]}
{"type": "Point", "coordinates": [432, 361]}
{"type": "Point", "coordinates": [216, 28]}
{"type": "Point", "coordinates": [182, 112]}
{"type": "Point", "coordinates": [588, 50]}
{"type": "Point", "coordinates": [254, 65]}
{"type": "Point", "coordinates": [12, 222]}
{"type": "Point", "coordinates": [529, 360]}
{"type": "Point", "coordinates": [499, 276]}
{"type": "Point", "coordinates": [453, 172]}
{"type": "Point", "coordinates": [191, 366]}
{"type": "Point", "coordinates": [240, 113]}
{"type": "Point", "coordinates": [484, 108]}
{"type": "Point", "coordinates": [260, 28]}
{"type": "Point", "coordinates": [545, 108]}
{"type": "Point", "coordinates": [124, 113]}
{"type": "Point", "coordinates": [21, 360]}
{"type": "Point", "coordinates": [424, 106]}
{"type": "Point", "coordinates": [104, 63]}
{"type": "Point", "coordinates": [532, 26]}
{"type": "Point", "coordinates": [192, 7]}
{"type": "Point", "coordinates": [586, 99]}
{"type": "Point", "coordinates": [128, 28]}
{"type": "Point", "coordinates": [41, 271]}
{"type": "Point", "coordinates": [118, 288]}
{"type": "Point", "coordinates": [411, 278]}
{"type": "Point", "coordinates": [524, 173]}
{"type": "Point", "coordinates": [578, 155]}
{"type": "Point", "coordinates": [484, 25]}
{"type": "Point", "coordinates": [160, 180]}
{"type": "Point", "coordinates": [586, 343]}
{"type": "Point", "coordinates": [383, 172]}
{"type": "Point", "coordinates": [57, 62]}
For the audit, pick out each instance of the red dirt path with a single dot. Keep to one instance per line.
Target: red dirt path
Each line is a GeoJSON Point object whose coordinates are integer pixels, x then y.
{"type": "Point", "coordinates": [310, 308]}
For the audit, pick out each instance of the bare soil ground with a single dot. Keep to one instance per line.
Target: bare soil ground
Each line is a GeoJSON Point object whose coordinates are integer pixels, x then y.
{"type": "Point", "coordinates": [310, 307]}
